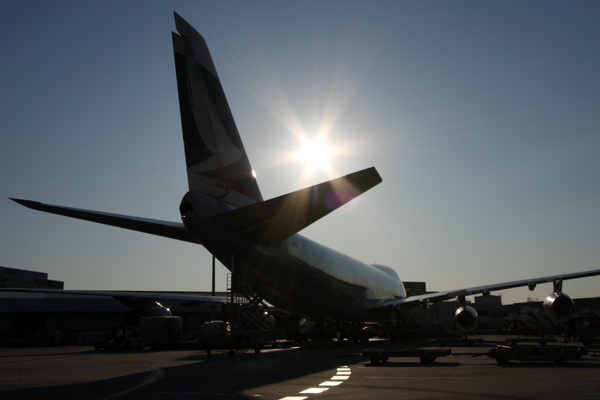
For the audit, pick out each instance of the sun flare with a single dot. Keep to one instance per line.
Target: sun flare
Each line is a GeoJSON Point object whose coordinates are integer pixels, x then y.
{"type": "Point", "coordinates": [315, 153]}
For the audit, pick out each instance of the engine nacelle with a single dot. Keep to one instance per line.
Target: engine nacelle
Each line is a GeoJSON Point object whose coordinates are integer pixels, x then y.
{"type": "Point", "coordinates": [266, 320]}
{"type": "Point", "coordinates": [466, 319]}
{"type": "Point", "coordinates": [158, 311]}
{"type": "Point", "coordinates": [558, 306]}
{"type": "Point", "coordinates": [151, 309]}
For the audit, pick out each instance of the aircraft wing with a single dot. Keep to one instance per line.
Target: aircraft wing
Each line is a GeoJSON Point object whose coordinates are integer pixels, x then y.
{"type": "Point", "coordinates": [190, 299]}
{"type": "Point", "coordinates": [173, 230]}
{"type": "Point", "coordinates": [423, 300]}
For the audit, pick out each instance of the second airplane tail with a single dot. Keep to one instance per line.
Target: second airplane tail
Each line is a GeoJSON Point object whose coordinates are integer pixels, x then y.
{"type": "Point", "coordinates": [216, 161]}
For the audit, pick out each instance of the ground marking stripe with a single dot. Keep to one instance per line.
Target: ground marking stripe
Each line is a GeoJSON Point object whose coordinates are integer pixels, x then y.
{"type": "Point", "coordinates": [331, 383]}
{"type": "Point", "coordinates": [340, 378]}
{"type": "Point", "coordinates": [155, 376]}
{"type": "Point", "coordinates": [314, 390]}
{"type": "Point", "coordinates": [343, 373]}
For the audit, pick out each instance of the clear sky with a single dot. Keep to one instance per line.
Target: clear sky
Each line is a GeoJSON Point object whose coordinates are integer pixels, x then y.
{"type": "Point", "coordinates": [482, 118]}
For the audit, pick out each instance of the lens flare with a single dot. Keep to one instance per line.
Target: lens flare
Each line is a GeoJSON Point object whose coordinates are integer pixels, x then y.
{"type": "Point", "coordinates": [315, 153]}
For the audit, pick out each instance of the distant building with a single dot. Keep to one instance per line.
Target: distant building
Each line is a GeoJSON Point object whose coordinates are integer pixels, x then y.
{"type": "Point", "coordinates": [24, 314]}
{"type": "Point", "coordinates": [490, 311]}
{"type": "Point", "coordinates": [23, 279]}
{"type": "Point", "coordinates": [27, 318]}
{"type": "Point", "coordinates": [415, 288]}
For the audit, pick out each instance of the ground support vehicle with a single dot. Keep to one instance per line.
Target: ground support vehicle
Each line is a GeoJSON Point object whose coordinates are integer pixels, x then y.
{"type": "Point", "coordinates": [427, 356]}
{"type": "Point", "coordinates": [217, 335]}
{"type": "Point", "coordinates": [503, 354]}
{"type": "Point", "coordinates": [589, 341]}
{"type": "Point", "coordinates": [542, 341]}
{"type": "Point", "coordinates": [459, 342]}
{"type": "Point", "coordinates": [213, 335]}
{"type": "Point", "coordinates": [325, 343]}
{"type": "Point", "coordinates": [161, 332]}
{"type": "Point", "coordinates": [119, 339]}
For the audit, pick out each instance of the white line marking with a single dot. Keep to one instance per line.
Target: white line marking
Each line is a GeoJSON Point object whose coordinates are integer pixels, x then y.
{"type": "Point", "coordinates": [314, 390]}
{"type": "Point", "coordinates": [155, 376]}
{"type": "Point", "coordinates": [331, 383]}
{"type": "Point", "coordinates": [339, 378]}
{"type": "Point", "coordinates": [343, 373]}
{"type": "Point", "coordinates": [294, 398]}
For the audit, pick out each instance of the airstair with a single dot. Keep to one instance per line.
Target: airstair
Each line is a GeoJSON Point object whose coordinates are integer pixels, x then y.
{"type": "Point", "coordinates": [251, 326]}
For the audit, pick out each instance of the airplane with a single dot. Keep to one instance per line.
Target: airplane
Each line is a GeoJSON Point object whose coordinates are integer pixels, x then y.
{"type": "Point", "coordinates": [225, 212]}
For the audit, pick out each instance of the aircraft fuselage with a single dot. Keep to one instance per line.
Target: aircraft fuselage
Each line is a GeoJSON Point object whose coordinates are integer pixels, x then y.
{"type": "Point", "coordinates": [300, 277]}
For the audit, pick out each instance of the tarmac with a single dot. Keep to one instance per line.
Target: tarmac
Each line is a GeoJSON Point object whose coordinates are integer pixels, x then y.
{"type": "Point", "coordinates": [79, 372]}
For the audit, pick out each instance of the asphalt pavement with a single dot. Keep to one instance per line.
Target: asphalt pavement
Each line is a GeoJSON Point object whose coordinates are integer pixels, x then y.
{"type": "Point", "coordinates": [297, 373]}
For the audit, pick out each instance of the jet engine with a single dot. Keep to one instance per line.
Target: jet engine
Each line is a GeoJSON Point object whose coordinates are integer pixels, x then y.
{"type": "Point", "coordinates": [466, 318]}
{"type": "Point", "coordinates": [266, 320]}
{"type": "Point", "coordinates": [142, 307]}
{"type": "Point", "coordinates": [157, 311]}
{"type": "Point", "coordinates": [558, 306]}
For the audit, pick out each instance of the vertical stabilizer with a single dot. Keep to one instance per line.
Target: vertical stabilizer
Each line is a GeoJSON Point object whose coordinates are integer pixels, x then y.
{"type": "Point", "coordinates": [215, 158]}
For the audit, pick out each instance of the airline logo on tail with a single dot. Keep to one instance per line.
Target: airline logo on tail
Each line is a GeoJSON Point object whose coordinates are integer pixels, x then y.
{"type": "Point", "coordinates": [216, 161]}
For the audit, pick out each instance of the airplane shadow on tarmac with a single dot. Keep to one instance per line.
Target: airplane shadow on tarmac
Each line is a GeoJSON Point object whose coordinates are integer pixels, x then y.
{"type": "Point", "coordinates": [571, 364]}
{"type": "Point", "coordinates": [149, 375]}
{"type": "Point", "coordinates": [415, 364]}
{"type": "Point", "coordinates": [271, 374]}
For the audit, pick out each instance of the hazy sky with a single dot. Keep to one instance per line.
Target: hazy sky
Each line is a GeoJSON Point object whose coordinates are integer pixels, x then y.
{"type": "Point", "coordinates": [482, 118]}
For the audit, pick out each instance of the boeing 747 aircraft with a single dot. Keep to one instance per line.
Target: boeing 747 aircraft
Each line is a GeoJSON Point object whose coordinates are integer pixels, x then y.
{"type": "Point", "coordinates": [225, 212]}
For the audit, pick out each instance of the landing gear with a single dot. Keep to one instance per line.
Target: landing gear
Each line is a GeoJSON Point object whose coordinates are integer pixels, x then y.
{"type": "Point", "coordinates": [359, 333]}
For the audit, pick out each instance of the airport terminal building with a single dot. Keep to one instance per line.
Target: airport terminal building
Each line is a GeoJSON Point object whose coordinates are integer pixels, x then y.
{"type": "Point", "coordinates": [37, 318]}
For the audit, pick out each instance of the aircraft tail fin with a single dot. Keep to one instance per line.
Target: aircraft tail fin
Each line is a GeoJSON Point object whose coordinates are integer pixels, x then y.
{"type": "Point", "coordinates": [216, 161]}
{"type": "Point", "coordinates": [271, 222]}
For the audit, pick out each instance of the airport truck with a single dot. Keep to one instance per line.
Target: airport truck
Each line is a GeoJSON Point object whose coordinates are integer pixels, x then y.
{"type": "Point", "coordinates": [161, 332]}
{"type": "Point", "coordinates": [119, 339]}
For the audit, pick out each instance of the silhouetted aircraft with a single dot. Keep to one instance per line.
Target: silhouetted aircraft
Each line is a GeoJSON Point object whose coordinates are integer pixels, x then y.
{"type": "Point", "coordinates": [224, 211]}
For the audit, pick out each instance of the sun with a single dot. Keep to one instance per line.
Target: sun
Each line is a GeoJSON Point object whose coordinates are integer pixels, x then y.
{"type": "Point", "coordinates": [315, 153]}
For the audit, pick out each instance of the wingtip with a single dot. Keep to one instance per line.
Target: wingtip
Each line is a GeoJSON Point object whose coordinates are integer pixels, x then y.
{"type": "Point", "coordinates": [377, 174]}
{"type": "Point", "coordinates": [26, 203]}
{"type": "Point", "coordinates": [366, 178]}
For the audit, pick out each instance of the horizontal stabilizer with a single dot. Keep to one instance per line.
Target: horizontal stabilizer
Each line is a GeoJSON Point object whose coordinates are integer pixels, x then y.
{"type": "Point", "coordinates": [271, 222]}
{"type": "Point", "coordinates": [168, 229]}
